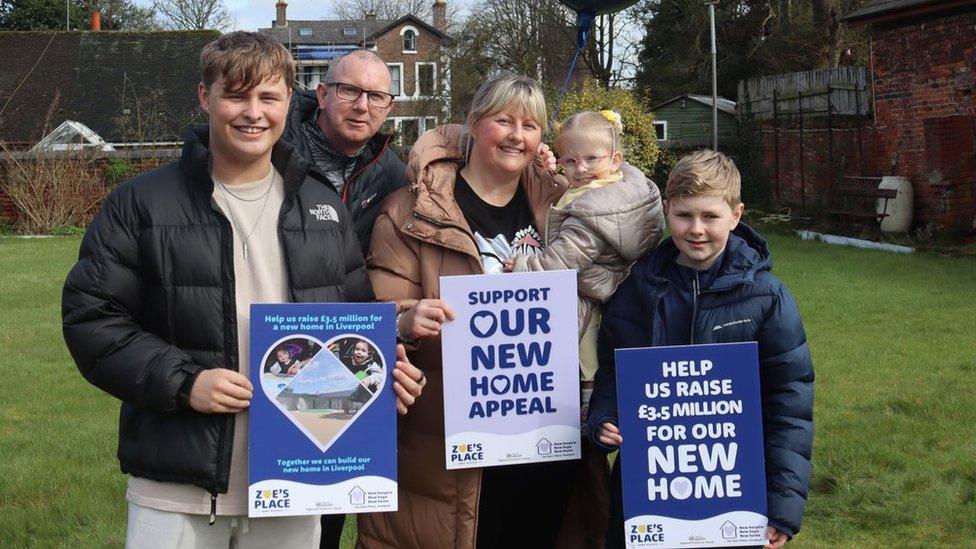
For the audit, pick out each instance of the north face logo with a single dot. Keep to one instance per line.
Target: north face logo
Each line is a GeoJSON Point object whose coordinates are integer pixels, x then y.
{"type": "Point", "coordinates": [325, 212]}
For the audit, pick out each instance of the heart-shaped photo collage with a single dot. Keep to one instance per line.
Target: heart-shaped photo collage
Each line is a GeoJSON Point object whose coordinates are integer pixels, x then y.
{"type": "Point", "coordinates": [322, 393]}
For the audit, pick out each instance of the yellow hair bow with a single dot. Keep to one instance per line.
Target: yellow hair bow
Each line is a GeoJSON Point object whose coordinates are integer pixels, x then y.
{"type": "Point", "coordinates": [612, 116]}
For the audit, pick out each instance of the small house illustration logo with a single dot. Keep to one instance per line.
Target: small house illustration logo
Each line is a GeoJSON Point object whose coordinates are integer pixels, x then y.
{"type": "Point", "coordinates": [544, 447]}
{"type": "Point", "coordinates": [357, 496]}
{"type": "Point", "coordinates": [729, 531]}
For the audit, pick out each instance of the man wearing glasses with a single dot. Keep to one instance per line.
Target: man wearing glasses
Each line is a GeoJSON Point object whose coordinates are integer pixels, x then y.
{"type": "Point", "coordinates": [337, 130]}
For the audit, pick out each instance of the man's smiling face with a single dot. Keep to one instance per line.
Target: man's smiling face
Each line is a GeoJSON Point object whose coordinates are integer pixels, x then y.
{"type": "Point", "coordinates": [245, 124]}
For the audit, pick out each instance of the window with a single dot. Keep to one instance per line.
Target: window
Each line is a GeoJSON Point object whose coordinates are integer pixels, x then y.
{"type": "Point", "coordinates": [425, 79]}
{"type": "Point", "coordinates": [349, 31]}
{"type": "Point", "coordinates": [396, 76]}
{"type": "Point", "coordinates": [409, 131]}
{"type": "Point", "coordinates": [430, 123]}
{"type": "Point", "coordinates": [310, 76]}
{"type": "Point", "coordinates": [410, 40]}
{"type": "Point", "coordinates": [661, 129]}
{"type": "Point", "coordinates": [304, 31]}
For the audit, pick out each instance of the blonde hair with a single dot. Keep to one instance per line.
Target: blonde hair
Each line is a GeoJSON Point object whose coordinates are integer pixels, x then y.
{"type": "Point", "coordinates": [595, 126]}
{"type": "Point", "coordinates": [244, 60]}
{"type": "Point", "coordinates": [501, 92]}
{"type": "Point", "coordinates": [705, 173]}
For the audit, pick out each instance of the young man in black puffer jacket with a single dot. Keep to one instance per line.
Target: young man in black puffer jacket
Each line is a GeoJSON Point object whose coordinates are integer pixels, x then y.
{"type": "Point", "coordinates": [156, 310]}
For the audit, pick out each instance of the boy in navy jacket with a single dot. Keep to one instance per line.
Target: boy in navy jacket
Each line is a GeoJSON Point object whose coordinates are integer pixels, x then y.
{"type": "Point", "coordinates": [710, 282]}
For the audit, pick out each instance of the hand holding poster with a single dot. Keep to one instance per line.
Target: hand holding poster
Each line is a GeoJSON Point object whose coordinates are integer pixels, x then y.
{"type": "Point", "coordinates": [511, 369]}
{"type": "Point", "coordinates": [692, 456]}
{"type": "Point", "coordinates": [322, 420]}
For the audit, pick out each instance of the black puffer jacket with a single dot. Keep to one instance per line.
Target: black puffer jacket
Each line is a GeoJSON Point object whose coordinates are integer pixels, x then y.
{"type": "Point", "coordinates": [379, 171]}
{"type": "Point", "coordinates": [151, 302]}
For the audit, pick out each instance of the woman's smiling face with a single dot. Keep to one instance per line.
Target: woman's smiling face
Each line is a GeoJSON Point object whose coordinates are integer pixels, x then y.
{"type": "Point", "coordinates": [506, 141]}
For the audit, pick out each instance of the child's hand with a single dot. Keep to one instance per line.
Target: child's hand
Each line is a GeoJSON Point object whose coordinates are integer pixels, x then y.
{"type": "Point", "coordinates": [293, 370]}
{"type": "Point", "coordinates": [547, 157]}
{"type": "Point", "coordinates": [508, 264]}
{"type": "Point", "coordinates": [609, 435]}
{"type": "Point", "coordinates": [424, 318]}
{"type": "Point", "coordinates": [776, 538]}
{"type": "Point", "coordinates": [408, 381]}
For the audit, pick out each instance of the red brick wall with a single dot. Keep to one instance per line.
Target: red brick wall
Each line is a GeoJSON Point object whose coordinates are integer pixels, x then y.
{"type": "Point", "coordinates": [7, 211]}
{"type": "Point", "coordinates": [846, 147]}
{"type": "Point", "coordinates": [924, 80]}
{"type": "Point", "coordinates": [923, 126]}
{"type": "Point", "coordinates": [389, 46]}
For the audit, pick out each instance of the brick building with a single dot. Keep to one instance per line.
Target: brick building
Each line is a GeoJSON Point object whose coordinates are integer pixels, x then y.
{"type": "Point", "coordinates": [416, 52]}
{"type": "Point", "coordinates": [912, 113]}
{"type": "Point", "coordinates": [923, 54]}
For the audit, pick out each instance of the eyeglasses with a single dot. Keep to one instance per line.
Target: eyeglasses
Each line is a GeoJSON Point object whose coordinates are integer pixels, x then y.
{"type": "Point", "coordinates": [348, 92]}
{"type": "Point", "coordinates": [589, 161]}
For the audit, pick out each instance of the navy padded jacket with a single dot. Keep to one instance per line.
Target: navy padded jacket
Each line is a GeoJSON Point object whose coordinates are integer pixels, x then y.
{"type": "Point", "coordinates": [745, 302]}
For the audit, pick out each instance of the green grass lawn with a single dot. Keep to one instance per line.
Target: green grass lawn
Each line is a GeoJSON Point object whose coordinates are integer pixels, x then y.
{"type": "Point", "coordinates": [893, 340]}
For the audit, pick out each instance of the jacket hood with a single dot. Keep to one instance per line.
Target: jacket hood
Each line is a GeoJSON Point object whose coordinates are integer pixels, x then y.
{"type": "Point", "coordinates": [746, 254]}
{"type": "Point", "coordinates": [437, 146]}
{"type": "Point", "coordinates": [626, 214]}
{"type": "Point", "coordinates": [431, 170]}
{"type": "Point", "coordinates": [632, 190]}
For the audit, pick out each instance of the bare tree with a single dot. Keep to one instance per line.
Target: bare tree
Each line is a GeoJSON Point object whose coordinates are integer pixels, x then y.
{"type": "Point", "coordinates": [535, 39]}
{"type": "Point", "coordinates": [383, 9]}
{"type": "Point", "coordinates": [613, 46]}
{"type": "Point", "coordinates": [193, 14]}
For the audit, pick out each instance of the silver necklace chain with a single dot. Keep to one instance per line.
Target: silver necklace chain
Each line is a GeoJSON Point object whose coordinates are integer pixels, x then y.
{"type": "Point", "coordinates": [230, 213]}
{"type": "Point", "coordinates": [241, 198]}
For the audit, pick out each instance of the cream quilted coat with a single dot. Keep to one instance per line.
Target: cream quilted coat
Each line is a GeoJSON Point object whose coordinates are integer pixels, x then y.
{"type": "Point", "coordinates": [601, 234]}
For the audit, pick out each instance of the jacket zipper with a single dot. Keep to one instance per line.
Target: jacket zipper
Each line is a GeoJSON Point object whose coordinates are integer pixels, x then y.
{"type": "Point", "coordinates": [694, 305]}
{"type": "Point", "coordinates": [357, 173]}
{"type": "Point", "coordinates": [228, 424]}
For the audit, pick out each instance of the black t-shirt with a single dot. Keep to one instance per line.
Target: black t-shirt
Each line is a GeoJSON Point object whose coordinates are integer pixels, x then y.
{"type": "Point", "coordinates": [500, 231]}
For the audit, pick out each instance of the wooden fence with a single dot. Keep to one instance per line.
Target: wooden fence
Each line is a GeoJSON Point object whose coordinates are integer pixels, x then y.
{"type": "Point", "coordinates": [843, 91]}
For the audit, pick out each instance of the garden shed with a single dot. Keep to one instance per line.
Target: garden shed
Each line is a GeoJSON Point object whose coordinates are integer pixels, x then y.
{"type": "Point", "coordinates": [685, 122]}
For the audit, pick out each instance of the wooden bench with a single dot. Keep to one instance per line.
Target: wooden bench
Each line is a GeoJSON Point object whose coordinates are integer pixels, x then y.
{"type": "Point", "coordinates": [859, 198]}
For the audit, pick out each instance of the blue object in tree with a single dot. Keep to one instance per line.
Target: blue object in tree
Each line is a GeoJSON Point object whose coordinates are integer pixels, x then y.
{"type": "Point", "coordinates": [597, 7]}
{"type": "Point", "coordinates": [586, 12]}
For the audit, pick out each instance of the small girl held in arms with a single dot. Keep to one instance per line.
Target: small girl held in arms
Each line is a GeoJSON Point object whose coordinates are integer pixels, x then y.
{"type": "Point", "coordinates": [610, 216]}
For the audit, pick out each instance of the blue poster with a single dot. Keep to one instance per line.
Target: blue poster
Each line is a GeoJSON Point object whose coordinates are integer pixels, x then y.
{"type": "Point", "coordinates": [323, 417]}
{"type": "Point", "coordinates": [692, 457]}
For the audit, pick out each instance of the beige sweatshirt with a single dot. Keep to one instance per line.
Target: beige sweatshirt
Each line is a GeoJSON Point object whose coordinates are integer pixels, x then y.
{"type": "Point", "coordinates": [261, 278]}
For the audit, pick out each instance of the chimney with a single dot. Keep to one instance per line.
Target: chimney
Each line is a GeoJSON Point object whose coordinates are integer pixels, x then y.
{"type": "Point", "coordinates": [440, 15]}
{"type": "Point", "coordinates": [96, 21]}
{"type": "Point", "coordinates": [281, 19]}
{"type": "Point", "coordinates": [371, 15]}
